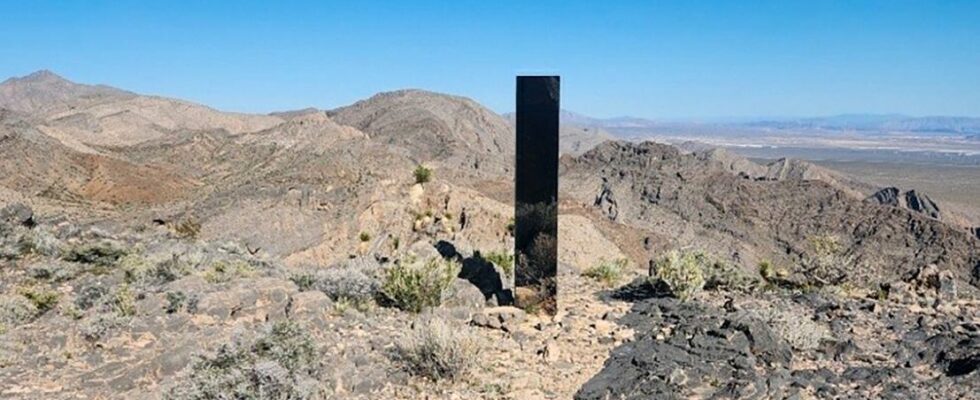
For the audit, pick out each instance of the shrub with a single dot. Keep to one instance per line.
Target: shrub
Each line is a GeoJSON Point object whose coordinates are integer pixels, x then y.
{"type": "Point", "coordinates": [90, 296]}
{"type": "Point", "coordinates": [413, 286]}
{"type": "Point", "coordinates": [39, 242]}
{"type": "Point", "coordinates": [364, 237]}
{"type": "Point", "coordinates": [437, 351]}
{"type": "Point", "coordinates": [123, 302]}
{"type": "Point", "coordinates": [347, 284]}
{"type": "Point", "coordinates": [178, 300]}
{"type": "Point", "coordinates": [104, 253]}
{"type": "Point", "coordinates": [43, 299]}
{"type": "Point", "coordinates": [99, 326]}
{"type": "Point", "coordinates": [799, 331]}
{"type": "Point", "coordinates": [719, 275]}
{"type": "Point", "coordinates": [188, 228]}
{"type": "Point", "coordinates": [15, 310]}
{"type": "Point", "coordinates": [282, 363]}
{"type": "Point", "coordinates": [422, 174]}
{"type": "Point", "coordinates": [607, 272]}
{"type": "Point", "coordinates": [503, 260]}
{"type": "Point", "coordinates": [681, 273]}
{"type": "Point", "coordinates": [826, 263]}
{"type": "Point", "coordinates": [138, 270]}
{"type": "Point", "coordinates": [225, 271]}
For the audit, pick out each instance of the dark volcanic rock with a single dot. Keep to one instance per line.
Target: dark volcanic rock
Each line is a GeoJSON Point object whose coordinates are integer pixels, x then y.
{"type": "Point", "coordinates": [703, 351]}
{"type": "Point", "coordinates": [921, 203]}
{"type": "Point", "coordinates": [887, 196]}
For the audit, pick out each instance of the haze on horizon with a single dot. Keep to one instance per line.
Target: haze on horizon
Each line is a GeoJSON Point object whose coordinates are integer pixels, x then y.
{"type": "Point", "coordinates": [663, 61]}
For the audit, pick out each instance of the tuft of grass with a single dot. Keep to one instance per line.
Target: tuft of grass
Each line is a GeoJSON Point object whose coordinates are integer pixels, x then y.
{"type": "Point", "coordinates": [607, 272]}
{"type": "Point", "coordinates": [681, 272]}
{"type": "Point", "coordinates": [413, 285]}
{"type": "Point", "coordinates": [422, 174]}
{"type": "Point", "coordinates": [502, 259]}
{"type": "Point", "coordinates": [437, 351]}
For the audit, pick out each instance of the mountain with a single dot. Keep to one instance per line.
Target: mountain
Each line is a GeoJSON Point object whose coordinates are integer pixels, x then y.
{"type": "Point", "coordinates": [104, 116]}
{"type": "Point", "coordinates": [880, 123]}
{"type": "Point", "coordinates": [452, 130]}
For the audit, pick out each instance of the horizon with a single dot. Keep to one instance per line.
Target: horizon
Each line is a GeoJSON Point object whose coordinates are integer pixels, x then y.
{"type": "Point", "coordinates": [693, 120]}
{"type": "Point", "coordinates": [659, 62]}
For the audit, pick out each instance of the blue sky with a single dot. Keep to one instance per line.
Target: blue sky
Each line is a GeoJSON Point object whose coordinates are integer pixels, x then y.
{"type": "Point", "coordinates": [691, 59]}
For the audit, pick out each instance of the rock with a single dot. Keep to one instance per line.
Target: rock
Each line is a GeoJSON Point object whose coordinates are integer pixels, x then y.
{"type": "Point", "coordinates": [462, 293]}
{"type": "Point", "coordinates": [921, 203]}
{"type": "Point", "coordinates": [603, 328]}
{"type": "Point", "coordinates": [504, 317]}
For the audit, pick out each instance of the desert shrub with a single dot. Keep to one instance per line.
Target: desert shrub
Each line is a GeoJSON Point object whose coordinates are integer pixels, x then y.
{"type": "Point", "coordinates": [799, 331]}
{"type": "Point", "coordinates": [413, 285]}
{"type": "Point", "coordinates": [123, 302]}
{"type": "Point", "coordinates": [225, 271]}
{"type": "Point", "coordinates": [720, 275]}
{"type": "Point", "coordinates": [54, 271]}
{"type": "Point", "coordinates": [680, 272]}
{"type": "Point", "coordinates": [44, 299]}
{"type": "Point", "coordinates": [364, 237]}
{"type": "Point", "coordinates": [437, 351]}
{"type": "Point", "coordinates": [103, 253]}
{"type": "Point", "coordinates": [607, 272]}
{"type": "Point", "coordinates": [422, 174]}
{"type": "Point", "coordinates": [539, 264]}
{"type": "Point", "coordinates": [826, 262]}
{"type": "Point", "coordinates": [188, 228]}
{"type": "Point", "coordinates": [501, 259]}
{"type": "Point", "coordinates": [39, 242]}
{"type": "Point", "coordinates": [99, 326]}
{"type": "Point", "coordinates": [178, 300]}
{"type": "Point", "coordinates": [282, 363]}
{"type": "Point", "coordinates": [90, 296]}
{"type": "Point", "coordinates": [140, 271]}
{"type": "Point", "coordinates": [15, 310]}
{"type": "Point", "coordinates": [347, 284]}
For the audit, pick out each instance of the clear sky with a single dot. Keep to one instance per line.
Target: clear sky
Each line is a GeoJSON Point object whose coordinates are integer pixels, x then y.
{"type": "Point", "coordinates": [646, 58]}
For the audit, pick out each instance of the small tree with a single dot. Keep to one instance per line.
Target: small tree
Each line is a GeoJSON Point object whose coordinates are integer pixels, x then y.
{"type": "Point", "coordinates": [422, 174]}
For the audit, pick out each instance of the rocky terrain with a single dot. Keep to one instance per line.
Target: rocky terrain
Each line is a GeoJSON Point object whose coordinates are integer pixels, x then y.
{"type": "Point", "coordinates": [154, 248]}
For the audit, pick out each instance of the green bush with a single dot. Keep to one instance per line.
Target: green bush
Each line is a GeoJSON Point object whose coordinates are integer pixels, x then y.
{"type": "Point", "coordinates": [437, 351]}
{"type": "Point", "coordinates": [364, 237]}
{"type": "Point", "coordinates": [102, 254]}
{"type": "Point", "coordinates": [422, 174]}
{"type": "Point", "coordinates": [413, 286]}
{"type": "Point", "coordinates": [681, 273]}
{"type": "Point", "coordinates": [607, 272]}
{"type": "Point", "coordinates": [43, 299]}
{"type": "Point", "coordinates": [502, 259]}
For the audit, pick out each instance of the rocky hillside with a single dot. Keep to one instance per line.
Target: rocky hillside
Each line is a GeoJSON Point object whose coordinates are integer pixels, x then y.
{"type": "Point", "coordinates": [154, 248]}
{"type": "Point", "coordinates": [678, 200]}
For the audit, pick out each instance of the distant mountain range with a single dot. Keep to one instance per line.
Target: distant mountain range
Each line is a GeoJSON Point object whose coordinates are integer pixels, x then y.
{"type": "Point", "coordinates": [876, 123]}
